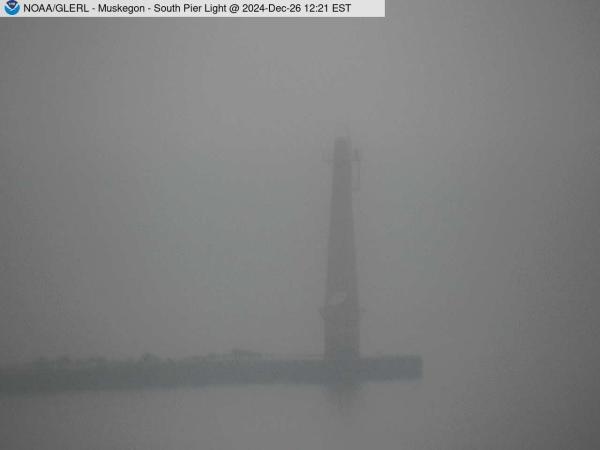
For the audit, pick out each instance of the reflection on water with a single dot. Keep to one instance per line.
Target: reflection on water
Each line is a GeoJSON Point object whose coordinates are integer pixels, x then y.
{"type": "Point", "coordinates": [344, 395]}
{"type": "Point", "coordinates": [269, 417]}
{"type": "Point", "coordinates": [436, 412]}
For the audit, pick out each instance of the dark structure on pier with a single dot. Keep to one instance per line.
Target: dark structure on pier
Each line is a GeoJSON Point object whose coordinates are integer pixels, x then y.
{"type": "Point", "coordinates": [341, 312]}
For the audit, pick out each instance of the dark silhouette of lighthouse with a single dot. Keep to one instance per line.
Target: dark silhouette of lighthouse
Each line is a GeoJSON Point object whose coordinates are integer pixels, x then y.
{"type": "Point", "coordinates": [341, 311]}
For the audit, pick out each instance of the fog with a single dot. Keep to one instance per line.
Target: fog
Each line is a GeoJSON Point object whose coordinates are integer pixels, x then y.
{"type": "Point", "coordinates": [164, 188]}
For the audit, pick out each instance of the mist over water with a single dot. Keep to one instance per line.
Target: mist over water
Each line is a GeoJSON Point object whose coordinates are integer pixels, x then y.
{"type": "Point", "coordinates": [425, 414]}
{"type": "Point", "coordinates": [163, 189]}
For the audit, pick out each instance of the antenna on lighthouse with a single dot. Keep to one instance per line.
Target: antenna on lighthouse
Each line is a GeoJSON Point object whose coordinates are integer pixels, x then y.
{"type": "Point", "coordinates": [356, 159]}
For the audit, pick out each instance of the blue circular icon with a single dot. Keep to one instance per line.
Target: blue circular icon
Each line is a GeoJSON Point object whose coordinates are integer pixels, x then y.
{"type": "Point", "coordinates": [12, 7]}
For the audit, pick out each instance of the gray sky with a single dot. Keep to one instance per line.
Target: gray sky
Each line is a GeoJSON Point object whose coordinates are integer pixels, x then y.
{"type": "Point", "coordinates": [162, 185]}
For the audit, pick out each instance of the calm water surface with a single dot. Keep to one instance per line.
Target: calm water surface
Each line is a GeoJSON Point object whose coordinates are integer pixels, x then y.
{"type": "Point", "coordinates": [426, 414]}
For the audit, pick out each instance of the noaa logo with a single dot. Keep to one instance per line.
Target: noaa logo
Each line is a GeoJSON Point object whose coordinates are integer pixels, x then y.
{"type": "Point", "coordinates": [12, 7]}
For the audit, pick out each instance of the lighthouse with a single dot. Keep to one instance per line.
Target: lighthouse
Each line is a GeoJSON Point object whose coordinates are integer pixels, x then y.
{"type": "Point", "coordinates": [341, 309]}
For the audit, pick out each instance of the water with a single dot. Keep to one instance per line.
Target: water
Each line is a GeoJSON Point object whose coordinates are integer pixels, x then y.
{"type": "Point", "coordinates": [425, 414]}
{"type": "Point", "coordinates": [240, 417]}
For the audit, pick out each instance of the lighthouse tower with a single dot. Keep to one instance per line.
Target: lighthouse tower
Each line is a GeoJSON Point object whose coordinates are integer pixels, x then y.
{"type": "Point", "coordinates": [341, 311]}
